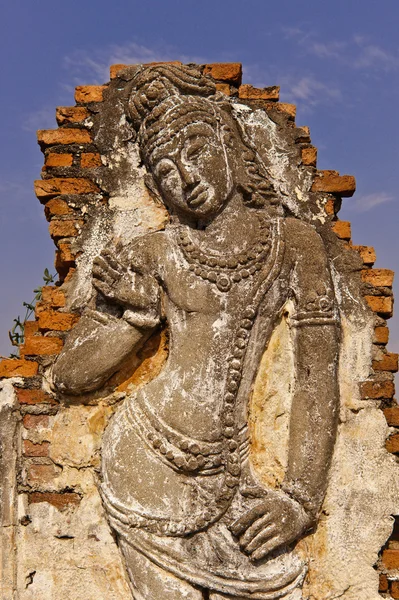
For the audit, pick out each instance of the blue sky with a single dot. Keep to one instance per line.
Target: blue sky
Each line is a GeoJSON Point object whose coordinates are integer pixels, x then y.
{"type": "Point", "coordinates": [338, 61]}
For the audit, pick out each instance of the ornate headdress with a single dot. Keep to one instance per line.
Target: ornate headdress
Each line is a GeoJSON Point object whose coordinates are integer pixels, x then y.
{"type": "Point", "coordinates": [165, 98]}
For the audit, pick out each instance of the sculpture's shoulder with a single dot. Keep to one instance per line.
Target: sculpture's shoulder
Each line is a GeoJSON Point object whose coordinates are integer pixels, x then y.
{"type": "Point", "coordinates": [303, 242]}
{"type": "Point", "coordinates": [146, 252]}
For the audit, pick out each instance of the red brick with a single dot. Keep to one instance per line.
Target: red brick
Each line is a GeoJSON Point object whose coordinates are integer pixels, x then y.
{"type": "Point", "coordinates": [163, 62]}
{"type": "Point", "coordinates": [377, 389]}
{"type": "Point", "coordinates": [390, 559]}
{"type": "Point", "coordinates": [65, 228]}
{"type": "Point", "coordinates": [367, 254]}
{"type": "Point", "coordinates": [59, 160]}
{"type": "Point", "coordinates": [383, 584]}
{"type": "Point", "coordinates": [224, 88]}
{"type": "Point", "coordinates": [342, 229]}
{"type": "Point", "coordinates": [53, 320]}
{"type": "Point", "coordinates": [381, 335]}
{"type": "Point", "coordinates": [15, 367]}
{"type": "Point", "coordinates": [36, 421]}
{"type": "Point", "coordinates": [392, 443]}
{"type": "Point", "coordinates": [392, 416]}
{"type": "Point", "coordinates": [64, 259]}
{"type": "Point", "coordinates": [231, 72]}
{"type": "Point", "coordinates": [303, 135]}
{"type": "Point", "coordinates": [382, 305]}
{"type": "Point", "coordinates": [30, 328]}
{"type": "Point", "coordinates": [331, 182]}
{"type": "Point", "coordinates": [329, 207]}
{"type": "Point", "coordinates": [47, 188]}
{"type": "Point", "coordinates": [55, 207]}
{"type": "Point", "coordinates": [50, 137]}
{"type": "Point", "coordinates": [90, 160]}
{"type": "Point", "coordinates": [378, 277]}
{"type": "Point", "coordinates": [42, 473]}
{"type": "Point", "coordinates": [89, 93]}
{"type": "Point", "coordinates": [35, 450]}
{"type": "Point", "coordinates": [60, 500]}
{"type": "Point", "coordinates": [53, 295]}
{"type": "Point", "coordinates": [309, 156]}
{"type": "Point", "coordinates": [388, 363]}
{"type": "Point", "coordinates": [41, 346]}
{"type": "Point", "coordinates": [71, 114]}
{"type": "Point", "coordinates": [113, 70]}
{"type": "Point", "coordinates": [288, 110]}
{"type": "Point", "coordinates": [249, 92]}
{"type": "Point", "coordinates": [66, 254]}
{"type": "Point", "coordinates": [33, 397]}
{"type": "Point", "coordinates": [395, 589]}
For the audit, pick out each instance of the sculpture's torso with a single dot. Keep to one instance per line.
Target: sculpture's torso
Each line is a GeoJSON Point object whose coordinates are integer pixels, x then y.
{"type": "Point", "coordinates": [185, 407]}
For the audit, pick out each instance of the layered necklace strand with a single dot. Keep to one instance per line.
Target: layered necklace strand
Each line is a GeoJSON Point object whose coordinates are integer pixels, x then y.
{"type": "Point", "coordinates": [225, 270]}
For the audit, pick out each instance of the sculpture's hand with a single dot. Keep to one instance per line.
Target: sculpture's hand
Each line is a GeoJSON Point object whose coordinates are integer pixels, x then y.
{"type": "Point", "coordinates": [114, 280]}
{"type": "Point", "coordinates": [276, 521]}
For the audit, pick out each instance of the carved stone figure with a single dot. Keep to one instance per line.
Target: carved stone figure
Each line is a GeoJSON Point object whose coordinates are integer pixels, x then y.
{"type": "Point", "coordinates": [193, 520]}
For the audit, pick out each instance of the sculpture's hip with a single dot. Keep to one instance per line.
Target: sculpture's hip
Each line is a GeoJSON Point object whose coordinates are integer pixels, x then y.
{"type": "Point", "coordinates": [168, 496]}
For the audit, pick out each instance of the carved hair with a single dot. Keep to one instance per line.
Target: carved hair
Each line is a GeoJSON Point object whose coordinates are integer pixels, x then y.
{"type": "Point", "coordinates": [166, 98]}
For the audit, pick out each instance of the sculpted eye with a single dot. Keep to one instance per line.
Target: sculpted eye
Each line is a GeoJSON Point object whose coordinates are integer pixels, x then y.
{"type": "Point", "coordinates": [196, 150]}
{"type": "Point", "coordinates": [164, 170]}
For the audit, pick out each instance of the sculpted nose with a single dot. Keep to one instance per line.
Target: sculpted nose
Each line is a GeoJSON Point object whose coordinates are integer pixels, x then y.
{"type": "Point", "coordinates": [189, 176]}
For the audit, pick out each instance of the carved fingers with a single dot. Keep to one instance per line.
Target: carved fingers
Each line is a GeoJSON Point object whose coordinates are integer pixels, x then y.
{"type": "Point", "coordinates": [277, 521]}
{"type": "Point", "coordinates": [122, 285]}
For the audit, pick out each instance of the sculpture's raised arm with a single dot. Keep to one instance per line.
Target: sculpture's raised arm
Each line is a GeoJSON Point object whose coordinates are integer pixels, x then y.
{"type": "Point", "coordinates": [101, 341]}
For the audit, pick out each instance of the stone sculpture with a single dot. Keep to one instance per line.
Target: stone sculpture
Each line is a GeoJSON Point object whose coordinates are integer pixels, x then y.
{"type": "Point", "coordinates": [191, 515]}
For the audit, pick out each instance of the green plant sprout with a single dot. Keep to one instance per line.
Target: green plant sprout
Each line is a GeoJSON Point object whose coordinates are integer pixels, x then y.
{"type": "Point", "coordinates": [17, 332]}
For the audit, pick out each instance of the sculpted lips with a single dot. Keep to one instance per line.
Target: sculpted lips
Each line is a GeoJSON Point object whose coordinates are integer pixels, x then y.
{"type": "Point", "coordinates": [198, 196]}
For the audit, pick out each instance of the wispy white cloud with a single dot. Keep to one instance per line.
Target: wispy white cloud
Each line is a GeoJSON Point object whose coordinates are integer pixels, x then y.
{"type": "Point", "coordinates": [358, 52]}
{"type": "Point", "coordinates": [373, 56]}
{"type": "Point", "coordinates": [43, 118]}
{"type": "Point", "coordinates": [332, 49]}
{"type": "Point", "coordinates": [308, 91]}
{"type": "Point", "coordinates": [367, 202]}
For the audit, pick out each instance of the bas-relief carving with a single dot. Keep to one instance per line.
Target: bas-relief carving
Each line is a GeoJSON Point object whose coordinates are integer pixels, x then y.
{"type": "Point", "coordinates": [181, 477]}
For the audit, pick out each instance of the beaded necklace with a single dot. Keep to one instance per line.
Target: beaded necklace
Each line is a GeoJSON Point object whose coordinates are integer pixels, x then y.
{"type": "Point", "coordinates": [226, 270]}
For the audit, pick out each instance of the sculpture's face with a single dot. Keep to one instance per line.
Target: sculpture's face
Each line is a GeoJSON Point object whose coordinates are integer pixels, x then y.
{"type": "Point", "coordinates": [192, 171]}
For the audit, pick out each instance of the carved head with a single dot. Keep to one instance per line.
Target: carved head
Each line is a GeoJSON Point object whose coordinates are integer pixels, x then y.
{"type": "Point", "coordinates": [192, 145]}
